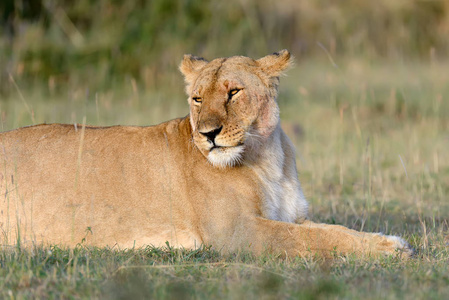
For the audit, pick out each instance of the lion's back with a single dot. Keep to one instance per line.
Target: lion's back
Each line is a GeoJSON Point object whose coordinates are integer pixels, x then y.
{"type": "Point", "coordinates": [107, 178]}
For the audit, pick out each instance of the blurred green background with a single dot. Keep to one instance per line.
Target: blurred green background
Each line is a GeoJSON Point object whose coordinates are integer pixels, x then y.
{"type": "Point", "coordinates": [99, 44]}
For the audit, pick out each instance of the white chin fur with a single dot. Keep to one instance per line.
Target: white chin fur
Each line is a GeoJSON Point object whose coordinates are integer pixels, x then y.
{"type": "Point", "coordinates": [226, 156]}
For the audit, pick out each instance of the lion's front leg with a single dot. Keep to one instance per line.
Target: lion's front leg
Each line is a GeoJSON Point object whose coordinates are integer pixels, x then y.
{"type": "Point", "coordinates": [309, 239]}
{"type": "Point", "coordinates": [339, 239]}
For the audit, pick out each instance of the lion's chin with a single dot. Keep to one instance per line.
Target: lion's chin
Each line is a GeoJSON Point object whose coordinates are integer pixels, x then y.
{"type": "Point", "coordinates": [223, 157]}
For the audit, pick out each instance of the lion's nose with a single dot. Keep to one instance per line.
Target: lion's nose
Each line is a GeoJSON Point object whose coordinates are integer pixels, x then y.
{"type": "Point", "coordinates": [210, 135]}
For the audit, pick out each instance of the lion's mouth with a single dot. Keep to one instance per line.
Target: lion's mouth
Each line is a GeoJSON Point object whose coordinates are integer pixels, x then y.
{"type": "Point", "coordinates": [226, 156]}
{"type": "Point", "coordinates": [218, 147]}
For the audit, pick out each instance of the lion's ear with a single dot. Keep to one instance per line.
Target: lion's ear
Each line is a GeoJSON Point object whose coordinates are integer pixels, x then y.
{"type": "Point", "coordinates": [274, 64]}
{"type": "Point", "coordinates": [190, 67]}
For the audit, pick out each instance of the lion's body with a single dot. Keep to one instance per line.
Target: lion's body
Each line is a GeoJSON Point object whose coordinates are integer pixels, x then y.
{"type": "Point", "coordinates": [129, 185]}
{"type": "Point", "coordinates": [225, 175]}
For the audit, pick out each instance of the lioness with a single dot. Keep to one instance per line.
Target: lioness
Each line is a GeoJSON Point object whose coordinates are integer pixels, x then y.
{"type": "Point", "coordinates": [225, 175]}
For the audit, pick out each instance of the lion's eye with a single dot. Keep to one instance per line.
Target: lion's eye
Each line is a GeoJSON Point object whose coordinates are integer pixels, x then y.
{"type": "Point", "coordinates": [233, 92]}
{"type": "Point", "coordinates": [197, 99]}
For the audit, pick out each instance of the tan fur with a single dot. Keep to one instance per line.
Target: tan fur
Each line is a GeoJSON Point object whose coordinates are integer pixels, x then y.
{"type": "Point", "coordinates": [225, 175]}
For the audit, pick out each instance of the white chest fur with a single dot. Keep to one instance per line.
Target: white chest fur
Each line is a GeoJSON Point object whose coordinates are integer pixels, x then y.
{"type": "Point", "coordinates": [283, 199]}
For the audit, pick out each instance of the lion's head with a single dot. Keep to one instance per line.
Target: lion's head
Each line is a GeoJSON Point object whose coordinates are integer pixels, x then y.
{"type": "Point", "coordinates": [232, 102]}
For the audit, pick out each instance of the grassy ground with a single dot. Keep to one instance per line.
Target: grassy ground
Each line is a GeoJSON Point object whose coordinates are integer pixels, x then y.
{"type": "Point", "coordinates": [372, 141]}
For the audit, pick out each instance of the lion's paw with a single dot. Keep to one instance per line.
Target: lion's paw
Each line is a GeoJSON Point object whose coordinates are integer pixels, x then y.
{"type": "Point", "coordinates": [390, 244]}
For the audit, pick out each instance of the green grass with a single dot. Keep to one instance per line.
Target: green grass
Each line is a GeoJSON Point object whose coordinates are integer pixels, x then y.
{"type": "Point", "coordinates": [204, 273]}
{"type": "Point", "coordinates": [372, 141]}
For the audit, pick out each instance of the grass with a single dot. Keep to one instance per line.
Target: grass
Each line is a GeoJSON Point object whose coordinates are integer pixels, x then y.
{"type": "Point", "coordinates": [372, 140]}
{"type": "Point", "coordinates": [204, 273]}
